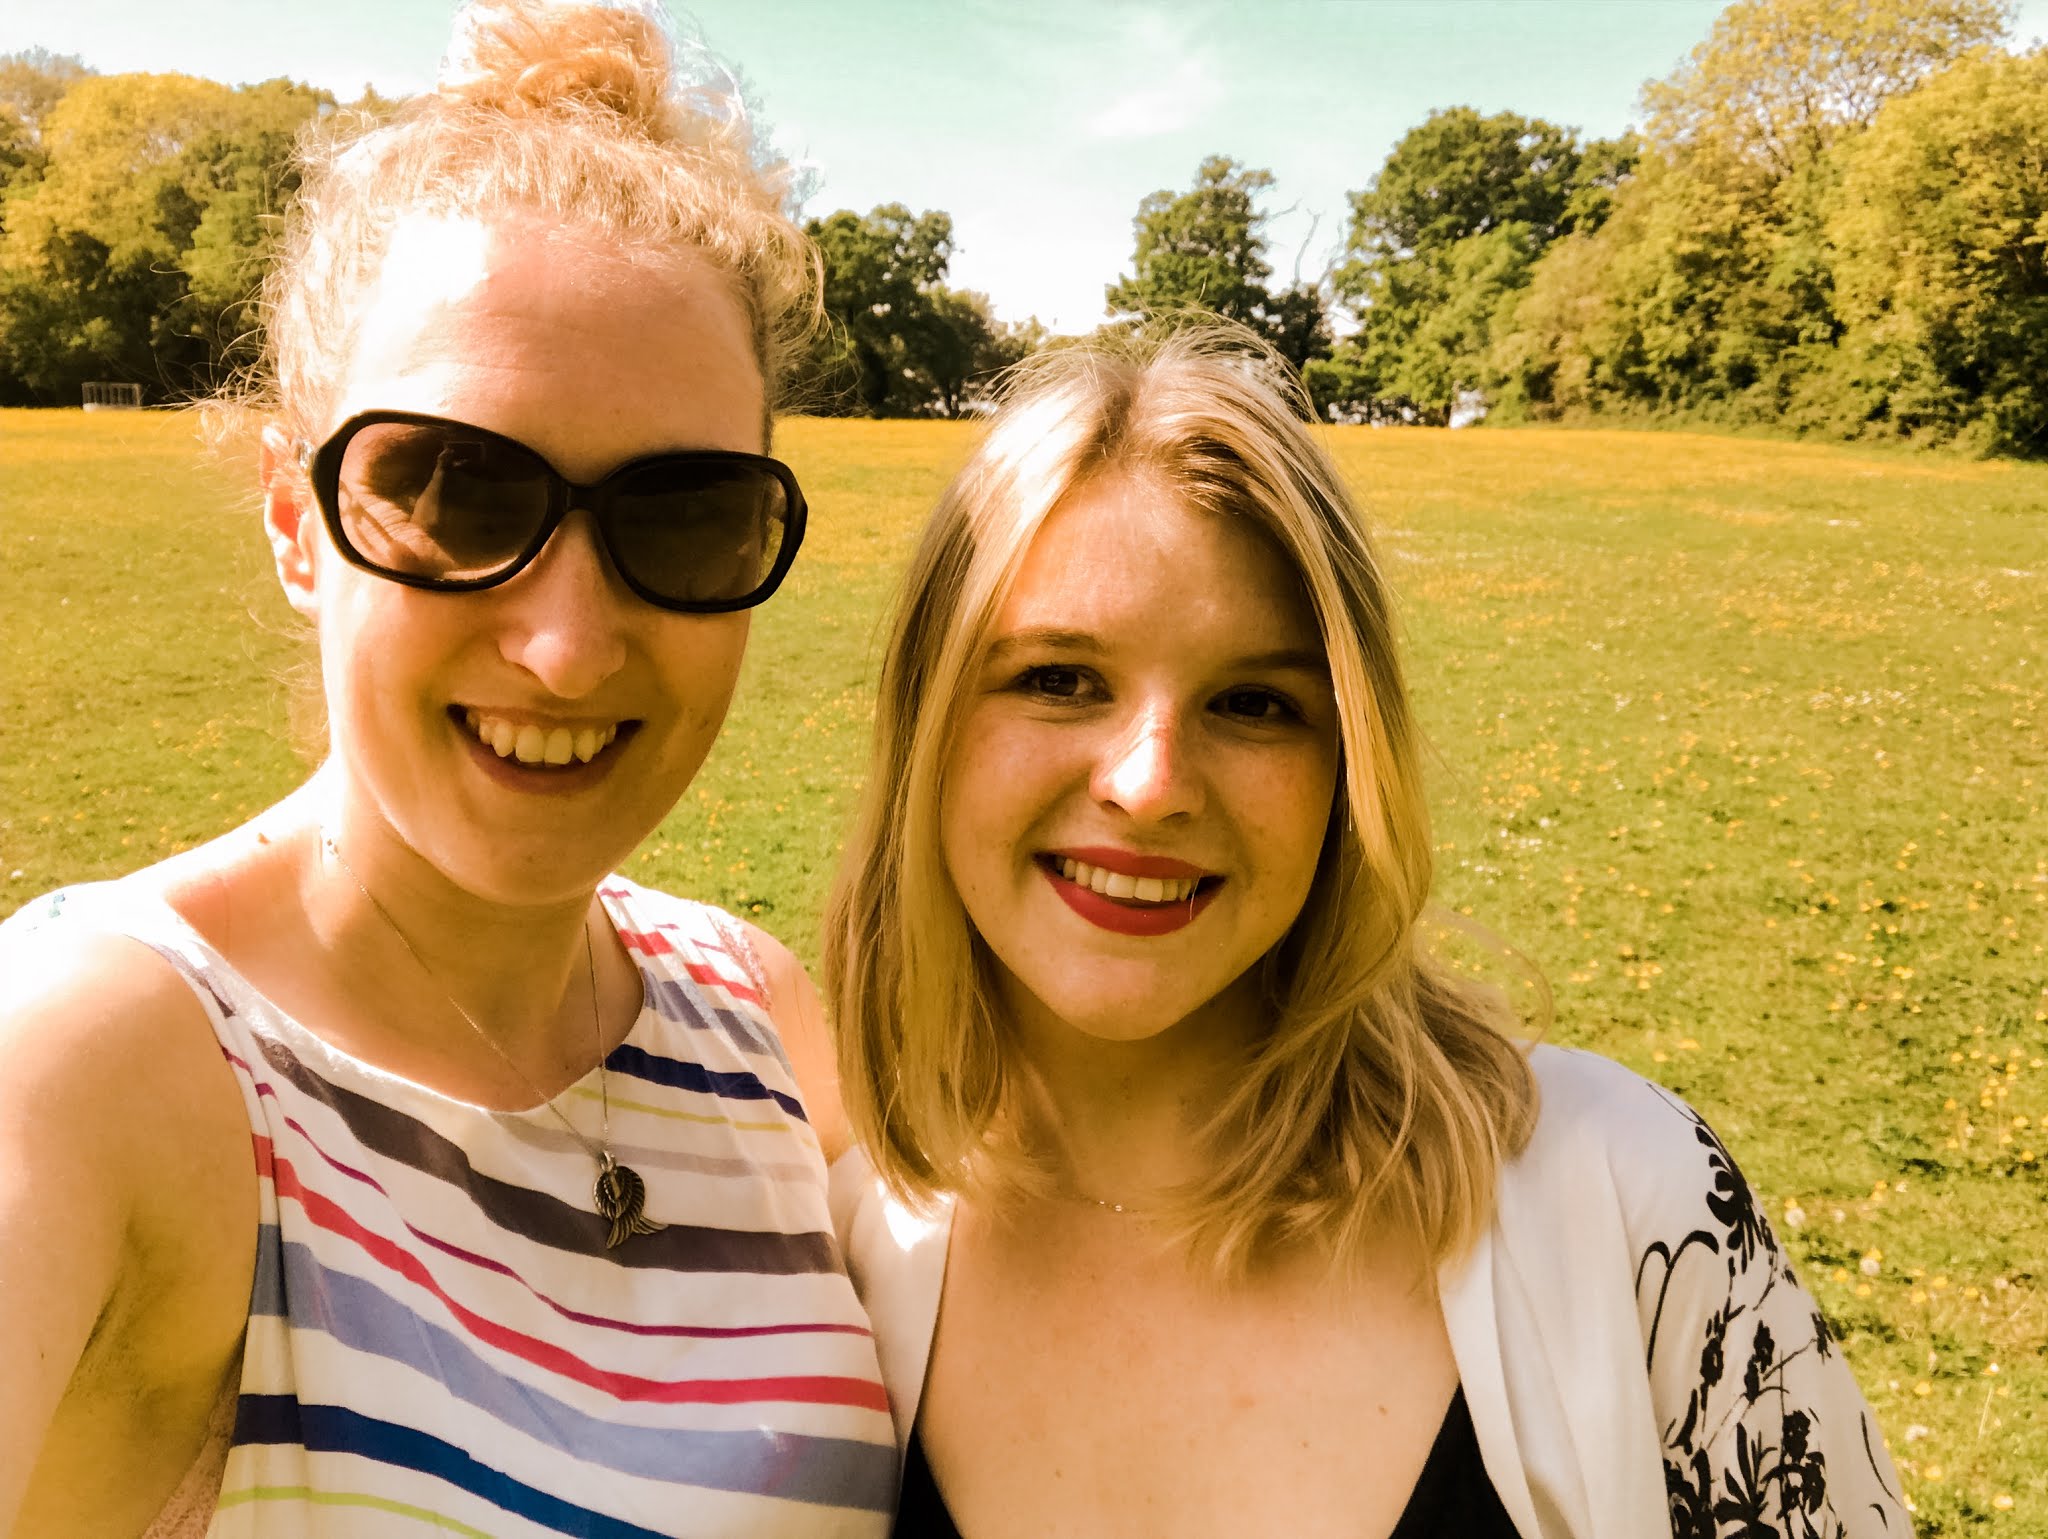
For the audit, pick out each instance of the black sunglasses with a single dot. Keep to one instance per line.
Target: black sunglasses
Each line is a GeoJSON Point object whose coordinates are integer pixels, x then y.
{"type": "Point", "coordinates": [442, 505]}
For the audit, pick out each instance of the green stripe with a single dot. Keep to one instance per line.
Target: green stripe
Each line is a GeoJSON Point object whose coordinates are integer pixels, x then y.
{"type": "Point", "coordinates": [588, 1093]}
{"type": "Point", "coordinates": [349, 1499]}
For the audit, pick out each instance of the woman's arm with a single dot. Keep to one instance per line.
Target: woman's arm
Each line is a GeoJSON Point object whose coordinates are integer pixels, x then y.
{"type": "Point", "coordinates": [121, 1145]}
{"type": "Point", "coordinates": [1763, 1426]}
{"type": "Point", "coordinates": [65, 1198]}
{"type": "Point", "coordinates": [799, 1017]}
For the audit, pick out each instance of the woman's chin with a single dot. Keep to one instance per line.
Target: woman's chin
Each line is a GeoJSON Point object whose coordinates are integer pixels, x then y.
{"type": "Point", "coordinates": [518, 874]}
{"type": "Point", "coordinates": [1119, 1017]}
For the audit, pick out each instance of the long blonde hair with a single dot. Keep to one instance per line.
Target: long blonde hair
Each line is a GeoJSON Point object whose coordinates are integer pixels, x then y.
{"type": "Point", "coordinates": [1387, 1090]}
{"type": "Point", "coordinates": [578, 112]}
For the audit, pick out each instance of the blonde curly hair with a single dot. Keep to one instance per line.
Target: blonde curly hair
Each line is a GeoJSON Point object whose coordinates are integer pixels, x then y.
{"type": "Point", "coordinates": [589, 114]}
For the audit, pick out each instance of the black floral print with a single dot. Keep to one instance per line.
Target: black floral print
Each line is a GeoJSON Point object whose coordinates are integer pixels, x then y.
{"type": "Point", "coordinates": [1747, 1454]}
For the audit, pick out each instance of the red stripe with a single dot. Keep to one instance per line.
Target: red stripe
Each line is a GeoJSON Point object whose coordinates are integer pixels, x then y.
{"type": "Point", "coordinates": [489, 1264]}
{"type": "Point", "coordinates": [700, 973]}
{"type": "Point", "coordinates": [809, 1389]}
{"type": "Point", "coordinates": [653, 943]}
{"type": "Point", "coordinates": [650, 943]}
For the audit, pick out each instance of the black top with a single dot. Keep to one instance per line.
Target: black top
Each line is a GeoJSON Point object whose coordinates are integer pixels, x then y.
{"type": "Point", "coordinates": [1452, 1494]}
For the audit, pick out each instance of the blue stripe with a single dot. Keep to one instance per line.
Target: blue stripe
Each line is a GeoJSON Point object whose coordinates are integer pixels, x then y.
{"type": "Point", "coordinates": [831, 1472]}
{"type": "Point", "coordinates": [677, 999]}
{"type": "Point", "coordinates": [538, 1217]}
{"type": "Point", "coordinates": [332, 1429]}
{"type": "Point", "coordinates": [266, 1289]}
{"type": "Point", "coordinates": [733, 1084]}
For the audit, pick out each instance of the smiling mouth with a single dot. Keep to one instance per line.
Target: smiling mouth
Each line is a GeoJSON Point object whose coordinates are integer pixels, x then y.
{"type": "Point", "coordinates": [536, 747]}
{"type": "Point", "coordinates": [1137, 892]}
{"type": "Point", "coordinates": [1124, 903]}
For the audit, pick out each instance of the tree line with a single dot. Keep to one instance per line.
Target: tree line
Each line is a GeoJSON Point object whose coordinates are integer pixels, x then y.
{"type": "Point", "coordinates": [1834, 218]}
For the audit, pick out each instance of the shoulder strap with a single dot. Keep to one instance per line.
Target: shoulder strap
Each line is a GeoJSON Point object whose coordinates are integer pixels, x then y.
{"type": "Point", "coordinates": [897, 1260]}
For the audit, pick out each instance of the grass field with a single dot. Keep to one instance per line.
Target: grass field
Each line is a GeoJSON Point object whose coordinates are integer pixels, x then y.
{"type": "Point", "coordinates": [1745, 744]}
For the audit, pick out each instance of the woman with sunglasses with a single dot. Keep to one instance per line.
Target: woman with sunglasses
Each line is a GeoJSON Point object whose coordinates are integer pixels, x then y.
{"type": "Point", "coordinates": [1200, 1197]}
{"type": "Point", "coordinates": [387, 1163]}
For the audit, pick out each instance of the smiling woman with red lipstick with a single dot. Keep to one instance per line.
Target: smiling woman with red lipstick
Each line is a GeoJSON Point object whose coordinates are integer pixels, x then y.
{"type": "Point", "coordinates": [1198, 1197]}
{"type": "Point", "coordinates": [389, 1164]}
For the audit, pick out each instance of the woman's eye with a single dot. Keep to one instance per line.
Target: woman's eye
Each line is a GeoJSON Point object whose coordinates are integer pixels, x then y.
{"type": "Point", "coordinates": [1261, 705]}
{"type": "Point", "coordinates": [1053, 683]}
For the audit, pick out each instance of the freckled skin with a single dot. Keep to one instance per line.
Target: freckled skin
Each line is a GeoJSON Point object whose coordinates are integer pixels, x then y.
{"type": "Point", "coordinates": [1156, 685]}
{"type": "Point", "coordinates": [1152, 754]}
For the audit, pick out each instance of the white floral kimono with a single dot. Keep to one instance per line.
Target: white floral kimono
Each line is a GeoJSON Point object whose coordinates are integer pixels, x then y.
{"type": "Point", "coordinates": [1636, 1353]}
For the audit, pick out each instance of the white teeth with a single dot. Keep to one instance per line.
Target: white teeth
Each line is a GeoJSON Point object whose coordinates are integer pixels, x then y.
{"type": "Point", "coordinates": [1139, 889]}
{"type": "Point", "coordinates": [531, 744]}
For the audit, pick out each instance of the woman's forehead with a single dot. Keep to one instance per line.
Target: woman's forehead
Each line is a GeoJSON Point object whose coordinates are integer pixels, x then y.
{"type": "Point", "coordinates": [1129, 549]}
{"type": "Point", "coordinates": [510, 325]}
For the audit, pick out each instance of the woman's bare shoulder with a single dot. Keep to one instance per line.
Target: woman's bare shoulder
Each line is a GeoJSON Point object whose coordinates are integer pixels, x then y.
{"type": "Point", "coordinates": [799, 1017]}
{"type": "Point", "coordinates": [108, 1052]}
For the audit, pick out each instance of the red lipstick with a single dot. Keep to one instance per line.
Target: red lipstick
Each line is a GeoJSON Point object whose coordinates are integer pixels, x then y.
{"type": "Point", "coordinates": [1123, 918]}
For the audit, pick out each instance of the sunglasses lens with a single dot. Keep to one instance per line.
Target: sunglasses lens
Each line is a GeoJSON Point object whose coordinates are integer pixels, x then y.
{"type": "Point", "coordinates": [698, 531]}
{"type": "Point", "coordinates": [435, 500]}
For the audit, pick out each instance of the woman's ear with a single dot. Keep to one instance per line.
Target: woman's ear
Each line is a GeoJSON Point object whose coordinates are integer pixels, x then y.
{"type": "Point", "coordinates": [290, 520]}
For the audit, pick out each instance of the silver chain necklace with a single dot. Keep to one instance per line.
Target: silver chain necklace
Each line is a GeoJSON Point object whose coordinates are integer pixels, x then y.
{"type": "Point", "coordinates": [620, 1194]}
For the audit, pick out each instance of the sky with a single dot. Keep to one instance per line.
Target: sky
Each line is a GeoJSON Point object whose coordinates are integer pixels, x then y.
{"type": "Point", "coordinates": [1037, 124]}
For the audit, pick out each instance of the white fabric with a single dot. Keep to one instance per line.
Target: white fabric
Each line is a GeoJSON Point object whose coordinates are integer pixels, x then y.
{"type": "Point", "coordinates": [1636, 1354]}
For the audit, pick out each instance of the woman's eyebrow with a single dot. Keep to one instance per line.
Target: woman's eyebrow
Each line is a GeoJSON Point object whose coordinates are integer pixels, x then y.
{"type": "Point", "coordinates": [1297, 659]}
{"type": "Point", "coordinates": [1054, 639]}
{"type": "Point", "coordinates": [1048, 637]}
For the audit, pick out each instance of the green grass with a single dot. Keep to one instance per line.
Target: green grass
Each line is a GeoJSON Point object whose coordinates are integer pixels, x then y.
{"type": "Point", "coordinates": [1745, 744]}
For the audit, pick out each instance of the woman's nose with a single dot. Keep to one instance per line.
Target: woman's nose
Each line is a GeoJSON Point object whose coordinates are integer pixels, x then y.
{"type": "Point", "coordinates": [566, 615]}
{"type": "Point", "coordinates": [1146, 769]}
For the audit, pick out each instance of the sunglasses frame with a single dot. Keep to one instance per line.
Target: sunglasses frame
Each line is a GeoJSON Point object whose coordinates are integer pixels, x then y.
{"type": "Point", "coordinates": [322, 466]}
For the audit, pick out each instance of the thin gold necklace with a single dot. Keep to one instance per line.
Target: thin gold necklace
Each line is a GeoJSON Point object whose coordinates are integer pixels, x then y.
{"type": "Point", "coordinates": [620, 1194]}
{"type": "Point", "coordinates": [1146, 1210]}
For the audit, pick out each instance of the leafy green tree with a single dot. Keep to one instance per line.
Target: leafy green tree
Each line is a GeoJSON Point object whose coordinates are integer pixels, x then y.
{"type": "Point", "coordinates": [962, 347]}
{"type": "Point", "coordinates": [1200, 250]}
{"type": "Point", "coordinates": [134, 254]}
{"type": "Point", "coordinates": [238, 184]}
{"type": "Point", "coordinates": [1441, 241]}
{"type": "Point", "coordinates": [79, 314]}
{"type": "Point", "coordinates": [33, 80]}
{"type": "Point", "coordinates": [1777, 81]}
{"type": "Point", "coordinates": [1710, 290]}
{"type": "Point", "coordinates": [1938, 236]}
{"type": "Point", "coordinates": [1459, 174]}
{"type": "Point", "coordinates": [897, 341]}
{"type": "Point", "coordinates": [878, 269]}
{"type": "Point", "coordinates": [1205, 250]}
{"type": "Point", "coordinates": [21, 157]}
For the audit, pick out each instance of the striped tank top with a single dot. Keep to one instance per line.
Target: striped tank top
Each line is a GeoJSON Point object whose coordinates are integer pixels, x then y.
{"type": "Point", "coordinates": [438, 1339]}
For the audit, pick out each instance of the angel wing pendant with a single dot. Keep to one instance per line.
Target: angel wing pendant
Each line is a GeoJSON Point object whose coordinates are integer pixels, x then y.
{"type": "Point", "coordinates": [620, 1196]}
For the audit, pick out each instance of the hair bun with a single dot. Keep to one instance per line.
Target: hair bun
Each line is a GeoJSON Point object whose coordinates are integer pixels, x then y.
{"type": "Point", "coordinates": [519, 56]}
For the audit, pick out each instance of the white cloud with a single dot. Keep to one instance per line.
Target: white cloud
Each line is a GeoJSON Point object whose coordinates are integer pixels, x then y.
{"type": "Point", "coordinates": [1182, 82]}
